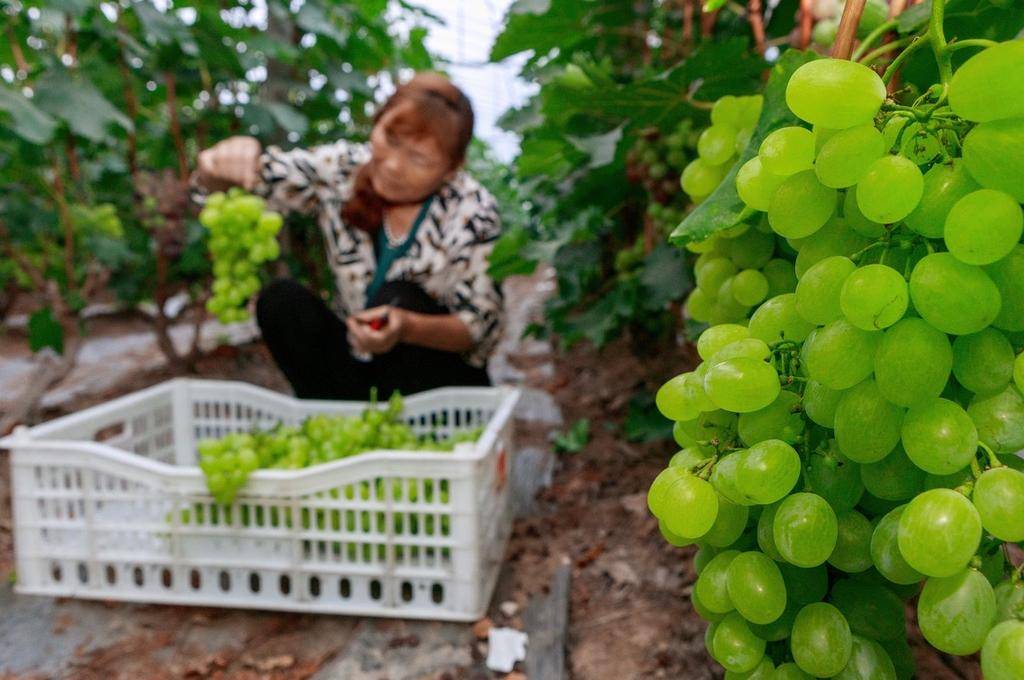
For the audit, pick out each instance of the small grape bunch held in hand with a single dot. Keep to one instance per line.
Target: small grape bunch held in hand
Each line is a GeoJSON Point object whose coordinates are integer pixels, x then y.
{"type": "Point", "coordinates": [853, 445]}
{"type": "Point", "coordinates": [243, 236]}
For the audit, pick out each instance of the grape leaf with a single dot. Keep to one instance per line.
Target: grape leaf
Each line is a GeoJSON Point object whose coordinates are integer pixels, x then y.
{"type": "Point", "coordinates": [45, 331]}
{"type": "Point", "coordinates": [723, 208]}
{"type": "Point", "coordinates": [75, 100]}
{"type": "Point", "coordinates": [664, 276]}
{"type": "Point", "coordinates": [30, 123]}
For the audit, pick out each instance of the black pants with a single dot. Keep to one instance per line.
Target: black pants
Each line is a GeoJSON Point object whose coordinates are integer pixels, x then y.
{"type": "Point", "coordinates": [310, 345]}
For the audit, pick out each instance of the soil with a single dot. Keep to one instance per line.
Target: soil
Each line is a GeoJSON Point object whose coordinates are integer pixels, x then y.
{"type": "Point", "coordinates": [630, 615]}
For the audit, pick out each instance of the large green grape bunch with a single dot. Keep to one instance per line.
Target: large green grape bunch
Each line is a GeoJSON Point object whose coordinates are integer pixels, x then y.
{"type": "Point", "coordinates": [243, 236]}
{"type": "Point", "coordinates": [732, 123]}
{"type": "Point", "coordinates": [228, 461]}
{"type": "Point", "coordinates": [854, 444]}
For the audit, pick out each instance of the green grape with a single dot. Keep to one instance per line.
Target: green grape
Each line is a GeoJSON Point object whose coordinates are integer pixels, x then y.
{"type": "Point", "coordinates": [954, 297]}
{"type": "Point", "coordinates": [821, 642]}
{"type": "Point", "coordinates": [917, 143]}
{"type": "Point", "coordinates": [718, 424]}
{"type": "Point", "coordinates": [983, 226]}
{"type": "Point", "coordinates": [1018, 372]}
{"type": "Point", "coordinates": [835, 93]}
{"type": "Point", "coordinates": [944, 185]}
{"type": "Point", "coordinates": [817, 293]}
{"type": "Point", "coordinates": [1000, 420]}
{"type": "Point", "coordinates": [735, 646]}
{"type": "Point", "coordinates": [890, 189]}
{"type": "Point", "coordinates": [747, 347]}
{"type": "Point", "coordinates": [805, 529]}
{"type": "Point", "coordinates": [700, 305]}
{"type": "Point", "coordinates": [987, 155]}
{"type": "Point", "coordinates": [820, 403]}
{"type": "Point", "coordinates": [779, 420]}
{"type": "Point", "coordinates": [790, 671]}
{"type": "Point", "coordinates": [749, 287]}
{"type": "Point", "coordinates": [913, 362]}
{"type": "Point", "coordinates": [835, 478]}
{"type": "Point", "coordinates": [765, 536]}
{"type": "Point", "coordinates": [852, 552]}
{"type": "Point", "coordinates": [939, 436]}
{"type": "Point", "coordinates": [787, 151]}
{"type": "Point", "coordinates": [1002, 655]}
{"type": "Point", "coordinates": [716, 144]}
{"type": "Point", "coordinates": [867, 425]}
{"type": "Point", "coordinates": [781, 277]}
{"type": "Point", "coordinates": [885, 550]}
{"type": "Point", "coordinates": [712, 584]}
{"type": "Point", "coordinates": [763, 671]}
{"type": "Point", "coordinates": [656, 492]}
{"type": "Point", "coordinates": [988, 86]}
{"type": "Point", "coordinates": [874, 297]}
{"type": "Point", "coordinates": [756, 587]}
{"type": "Point", "coordinates": [690, 507]}
{"type": "Point", "coordinates": [983, 362]}
{"type": "Point", "coordinates": [742, 384]}
{"type": "Point", "coordinates": [682, 398]}
{"type": "Point", "coordinates": [835, 238]}
{"type": "Point", "coordinates": [868, 661]}
{"type": "Point", "coordinates": [700, 178]}
{"type": "Point", "coordinates": [767, 471]}
{"type": "Point", "coordinates": [729, 524]}
{"type": "Point", "coordinates": [753, 249]}
{"type": "Point", "coordinates": [728, 110]}
{"type": "Point", "coordinates": [756, 184]}
{"type": "Point", "coordinates": [939, 532]}
{"type": "Point", "coordinates": [777, 319]}
{"type": "Point", "coordinates": [871, 609]}
{"type": "Point", "coordinates": [1009, 600]}
{"type": "Point", "coordinates": [670, 538]}
{"type": "Point", "coordinates": [847, 155]}
{"type": "Point", "coordinates": [1007, 275]}
{"type": "Point", "coordinates": [894, 478]}
{"type": "Point", "coordinates": [801, 205]}
{"type": "Point", "coordinates": [703, 556]}
{"type": "Point", "coordinates": [862, 225]}
{"type": "Point", "coordinates": [713, 273]}
{"type": "Point", "coordinates": [956, 612]}
{"type": "Point", "coordinates": [717, 337]}
{"type": "Point", "coordinates": [999, 498]}
{"type": "Point", "coordinates": [684, 432]}
{"type": "Point", "coordinates": [690, 457]}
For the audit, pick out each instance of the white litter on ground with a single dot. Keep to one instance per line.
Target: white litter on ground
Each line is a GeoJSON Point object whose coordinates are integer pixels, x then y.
{"type": "Point", "coordinates": [505, 647]}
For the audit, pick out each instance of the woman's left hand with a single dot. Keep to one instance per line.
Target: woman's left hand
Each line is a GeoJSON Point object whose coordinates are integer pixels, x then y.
{"type": "Point", "coordinates": [376, 330]}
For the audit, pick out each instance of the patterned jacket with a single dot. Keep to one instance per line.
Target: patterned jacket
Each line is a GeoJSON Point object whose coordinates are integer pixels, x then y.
{"type": "Point", "coordinates": [448, 258]}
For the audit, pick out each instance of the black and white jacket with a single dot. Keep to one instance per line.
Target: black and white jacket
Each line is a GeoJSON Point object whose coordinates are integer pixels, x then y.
{"type": "Point", "coordinates": [448, 258]}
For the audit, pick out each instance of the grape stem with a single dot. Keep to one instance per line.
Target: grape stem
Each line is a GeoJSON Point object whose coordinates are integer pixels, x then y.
{"type": "Point", "coordinates": [973, 42]}
{"type": "Point", "coordinates": [872, 38]}
{"type": "Point", "coordinates": [975, 468]}
{"type": "Point", "coordinates": [993, 461]}
{"type": "Point", "coordinates": [883, 50]}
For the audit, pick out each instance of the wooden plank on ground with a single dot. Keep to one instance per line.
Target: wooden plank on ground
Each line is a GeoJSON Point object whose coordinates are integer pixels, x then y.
{"type": "Point", "coordinates": [546, 620]}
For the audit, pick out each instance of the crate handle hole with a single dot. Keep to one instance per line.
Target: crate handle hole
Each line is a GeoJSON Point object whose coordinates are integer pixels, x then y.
{"type": "Point", "coordinates": [138, 577]}
{"type": "Point", "coordinates": [83, 572]}
{"type": "Point", "coordinates": [167, 578]}
{"type": "Point", "coordinates": [254, 582]}
{"type": "Point", "coordinates": [345, 588]}
{"type": "Point", "coordinates": [437, 593]}
{"type": "Point", "coordinates": [375, 589]}
{"type": "Point", "coordinates": [285, 584]}
{"type": "Point", "coordinates": [195, 579]}
{"type": "Point", "coordinates": [111, 574]}
{"type": "Point", "coordinates": [225, 581]}
{"type": "Point", "coordinates": [56, 572]}
{"type": "Point", "coordinates": [314, 586]}
{"type": "Point", "coordinates": [406, 591]}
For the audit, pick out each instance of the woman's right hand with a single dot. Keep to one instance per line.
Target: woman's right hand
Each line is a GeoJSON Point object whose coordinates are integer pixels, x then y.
{"type": "Point", "coordinates": [232, 162]}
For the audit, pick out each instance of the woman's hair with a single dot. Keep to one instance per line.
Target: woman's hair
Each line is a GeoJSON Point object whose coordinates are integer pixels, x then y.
{"type": "Point", "coordinates": [430, 106]}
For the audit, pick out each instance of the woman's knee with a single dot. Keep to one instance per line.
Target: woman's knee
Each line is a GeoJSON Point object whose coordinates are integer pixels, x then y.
{"type": "Point", "coordinates": [281, 299]}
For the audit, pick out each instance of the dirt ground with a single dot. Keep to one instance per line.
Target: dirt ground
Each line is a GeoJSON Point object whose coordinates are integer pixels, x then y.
{"type": "Point", "coordinates": [630, 616]}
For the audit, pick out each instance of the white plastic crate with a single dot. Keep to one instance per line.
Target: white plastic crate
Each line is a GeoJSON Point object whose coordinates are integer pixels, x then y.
{"type": "Point", "coordinates": [109, 504]}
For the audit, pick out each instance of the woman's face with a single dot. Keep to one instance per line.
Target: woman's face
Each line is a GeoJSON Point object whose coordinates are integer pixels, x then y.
{"type": "Point", "coordinates": [405, 169]}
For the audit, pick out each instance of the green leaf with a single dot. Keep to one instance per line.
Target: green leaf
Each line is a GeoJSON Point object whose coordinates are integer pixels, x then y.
{"type": "Point", "coordinates": [644, 423]}
{"type": "Point", "coordinates": [664, 276]}
{"type": "Point", "coordinates": [574, 439]}
{"type": "Point", "coordinates": [164, 28]}
{"type": "Point", "coordinates": [287, 117]}
{"type": "Point", "coordinates": [723, 208]}
{"type": "Point", "coordinates": [712, 5]}
{"type": "Point", "coordinates": [549, 155]}
{"type": "Point", "coordinates": [600, 148]}
{"type": "Point", "coordinates": [506, 258]}
{"type": "Point", "coordinates": [541, 25]}
{"type": "Point", "coordinates": [372, 9]}
{"type": "Point", "coordinates": [76, 101]}
{"type": "Point", "coordinates": [30, 123]}
{"type": "Point", "coordinates": [415, 53]}
{"type": "Point", "coordinates": [313, 18]}
{"type": "Point", "coordinates": [45, 331]}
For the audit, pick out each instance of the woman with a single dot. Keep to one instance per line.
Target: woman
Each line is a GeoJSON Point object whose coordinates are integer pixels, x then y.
{"type": "Point", "coordinates": [408, 234]}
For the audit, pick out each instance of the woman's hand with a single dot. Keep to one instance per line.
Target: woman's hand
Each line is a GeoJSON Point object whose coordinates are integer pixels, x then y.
{"type": "Point", "coordinates": [232, 162]}
{"type": "Point", "coordinates": [376, 330]}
